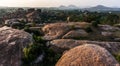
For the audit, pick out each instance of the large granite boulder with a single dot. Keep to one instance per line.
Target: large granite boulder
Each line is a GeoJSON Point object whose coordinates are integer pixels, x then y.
{"type": "Point", "coordinates": [87, 55]}
{"type": "Point", "coordinates": [58, 30]}
{"type": "Point", "coordinates": [61, 45]}
{"type": "Point", "coordinates": [12, 42]}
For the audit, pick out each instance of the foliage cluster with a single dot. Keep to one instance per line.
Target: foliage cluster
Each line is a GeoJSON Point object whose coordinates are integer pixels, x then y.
{"type": "Point", "coordinates": [37, 48]}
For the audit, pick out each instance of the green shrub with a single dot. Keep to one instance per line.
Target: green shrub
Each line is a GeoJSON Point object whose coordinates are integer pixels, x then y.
{"type": "Point", "coordinates": [72, 26]}
{"type": "Point", "coordinates": [88, 29]}
{"type": "Point", "coordinates": [81, 38]}
{"type": "Point", "coordinates": [32, 52]}
{"type": "Point", "coordinates": [18, 25]}
{"type": "Point", "coordinates": [94, 23]}
{"type": "Point", "coordinates": [117, 57]}
{"type": "Point", "coordinates": [51, 58]}
{"type": "Point", "coordinates": [34, 32]}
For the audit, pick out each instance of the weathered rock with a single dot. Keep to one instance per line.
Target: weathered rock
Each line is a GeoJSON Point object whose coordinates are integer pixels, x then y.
{"type": "Point", "coordinates": [108, 28]}
{"type": "Point", "coordinates": [58, 30]}
{"type": "Point", "coordinates": [75, 34]}
{"type": "Point", "coordinates": [12, 41]}
{"type": "Point", "coordinates": [87, 55]}
{"type": "Point", "coordinates": [106, 33]}
{"type": "Point", "coordinates": [54, 31]}
{"type": "Point", "coordinates": [60, 45]}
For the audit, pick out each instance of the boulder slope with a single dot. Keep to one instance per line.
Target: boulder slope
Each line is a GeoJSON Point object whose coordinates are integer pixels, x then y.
{"type": "Point", "coordinates": [87, 55]}
{"type": "Point", "coordinates": [12, 41]}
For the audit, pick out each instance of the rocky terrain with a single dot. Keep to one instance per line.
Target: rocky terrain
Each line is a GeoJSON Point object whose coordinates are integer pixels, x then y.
{"type": "Point", "coordinates": [64, 30]}
{"type": "Point", "coordinates": [21, 15]}
{"type": "Point", "coordinates": [12, 42]}
{"type": "Point", "coordinates": [70, 39]}
{"type": "Point", "coordinates": [81, 30]}
{"type": "Point", "coordinates": [77, 43]}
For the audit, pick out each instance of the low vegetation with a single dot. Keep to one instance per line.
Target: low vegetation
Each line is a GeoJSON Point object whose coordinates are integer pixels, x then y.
{"type": "Point", "coordinates": [117, 57]}
{"type": "Point", "coordinates": [32, 52]}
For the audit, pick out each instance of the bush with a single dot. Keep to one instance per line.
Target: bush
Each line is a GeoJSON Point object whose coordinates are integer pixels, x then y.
{"type": "Point", "coordinates": [18, 25]}
{"type": "Point", "coordinates": [34, 32]}
{"type": "Point", "coordinates": [32, 52]}
{"type": "Point", "coordinates": [72, 26]}
{"type": "Point", "coordinates": [51, 58]}
{"type": "Point", "coordinates": [94, 24]}
{"type": "Point", "coordinates": [117, 57]}
{"type": "Point", "coordinates": [88, 29]}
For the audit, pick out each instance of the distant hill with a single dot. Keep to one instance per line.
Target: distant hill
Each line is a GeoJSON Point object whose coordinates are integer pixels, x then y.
{"type": "Point", "coordinates": [95, 8]}
{"type": "Point", "coordinates": [62, 7]}
{"type": "Point", "coordinates": [73, 7]}
{"type": "Point", "coordinates": [102, 8]}
{"type": "Point", "coordinates": [3, 7]}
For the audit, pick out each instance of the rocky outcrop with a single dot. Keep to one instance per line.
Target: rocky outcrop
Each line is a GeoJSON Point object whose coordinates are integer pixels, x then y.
{"type": "Point", "coordinates": [58, 30]}
{"type": "Point", "coordinates": [80, 30]}
{"type": "Point", "coordinates": [62, 37]}
{"type": "Point", "coordinates": [75, 34]}
{"type": "Point", "coordinates": [111, 31]}
{"type": "Point", "coordinates": [60, 45]}
{"type": "Point", "coordinates": [106, 33]}
{"type": "Point", "coordinates": [12, 42]}
{"type": "Point", "coordinates": [87, 55]}
{"type": "Point", "coordinates": [108, 28]}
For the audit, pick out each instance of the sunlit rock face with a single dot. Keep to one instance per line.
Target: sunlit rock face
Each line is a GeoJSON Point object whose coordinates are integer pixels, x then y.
{"type": "Point", "coordinates": [75, 34]}
{"type": "Point", "coordinates": [58, 30]}
{"type": "Point", "coordinates": [87, 55]}
{"type": "Point", "coordinates": [12, 41]}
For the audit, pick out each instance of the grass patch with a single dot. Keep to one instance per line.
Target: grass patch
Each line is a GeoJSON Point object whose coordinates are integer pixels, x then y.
{"type": "Point", "coordinates": [117, 57]}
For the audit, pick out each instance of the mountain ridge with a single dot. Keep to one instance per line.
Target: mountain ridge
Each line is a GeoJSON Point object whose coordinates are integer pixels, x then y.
{"type": "Point", "coordinates": [93, 8]}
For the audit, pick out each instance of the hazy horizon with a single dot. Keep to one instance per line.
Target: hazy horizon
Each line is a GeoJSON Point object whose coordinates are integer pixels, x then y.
{"type": "Point", "coordinates": [56, 3]}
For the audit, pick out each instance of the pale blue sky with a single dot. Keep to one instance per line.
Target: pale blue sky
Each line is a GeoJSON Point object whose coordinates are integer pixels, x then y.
{"type": "Point", "coordinates": [53, 3]}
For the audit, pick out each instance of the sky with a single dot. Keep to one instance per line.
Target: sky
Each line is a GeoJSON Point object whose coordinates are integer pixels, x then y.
{"type": "Point", "coordinates": [56, 3]}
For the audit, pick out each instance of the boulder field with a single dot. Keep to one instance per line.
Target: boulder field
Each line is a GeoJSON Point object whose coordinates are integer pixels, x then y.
{"type": "Point", "coordinates": [64, 30]}
{"type": "Point", "coordinates": [94, 46]}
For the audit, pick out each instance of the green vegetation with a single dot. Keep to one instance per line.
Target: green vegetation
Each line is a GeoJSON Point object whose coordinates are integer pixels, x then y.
{"type": "Point", "coordinates": [32, 52]}
{"type": "Point", "coordinates": [78, 16]}
{"type": "Point", "coordinates": [37, 48]}
{"type": "Point", "coordinates": [117, 57]}
{"type": "Point", "coordinates": [95, 23]}
{"type": "Point", "coordinates": [50, 16]}
{"type": "Point", "coordinates": [88, 29]}
{"type": "Point", "coordinates": [72, 26]}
